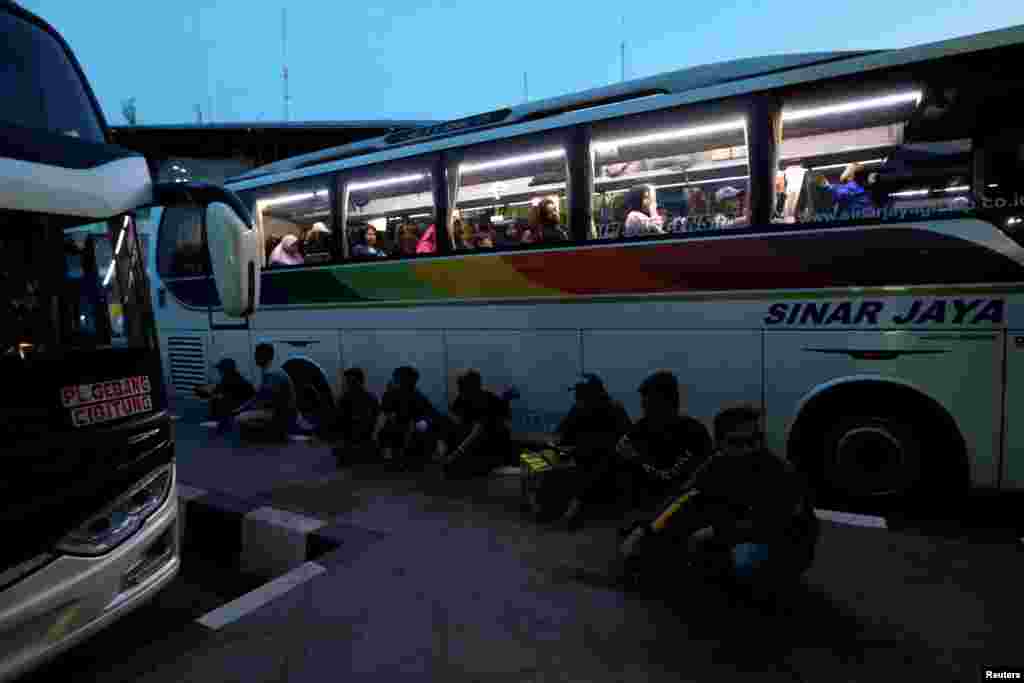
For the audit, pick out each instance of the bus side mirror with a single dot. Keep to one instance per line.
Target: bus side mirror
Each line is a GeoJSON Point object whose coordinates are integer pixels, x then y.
{"type": "Point", "coordinates": [235, 256]}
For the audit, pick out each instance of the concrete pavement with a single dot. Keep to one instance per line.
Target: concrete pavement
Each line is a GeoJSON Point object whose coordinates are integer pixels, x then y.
{"type": "Point", "coordinates": [445, 581]}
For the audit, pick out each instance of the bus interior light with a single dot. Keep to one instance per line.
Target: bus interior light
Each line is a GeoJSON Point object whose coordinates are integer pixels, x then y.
{"type": "Point", "coordinates": [289, 198]}
{"type": "Point", "coordinates": [110, 273]}
{"type": "Point", "coordinates": [844, 165]}
{"type": "Point", "coordinates": [398, 180]}
{"type": "Point", "coordinates": [847, 107]}
{"type": "Point", "coordinates": [120, 242]}
{"type": "Point", "coordinates": [512, 161]}
{"type": "Point", "coordinates": [608, 147]}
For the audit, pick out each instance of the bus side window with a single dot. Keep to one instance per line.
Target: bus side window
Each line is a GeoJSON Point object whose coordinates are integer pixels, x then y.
{"type": "Point", "coordinates": [390, 211]}
{"type": "Point", "coordinates": [297, 222]}
{"type": "Point", "coordinates": [670, 172]}
{"type": "Point", "coordinates": [181, 251]}
{"type": "Point", "coordinates": [512, 194]}
{"type": "Point", "coordinates": [850, 155]}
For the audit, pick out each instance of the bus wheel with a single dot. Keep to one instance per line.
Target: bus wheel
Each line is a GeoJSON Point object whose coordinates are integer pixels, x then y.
{"type": "Point", "coordinates": [312, 395]}
{"type": "Point", "coordinates": [867, 456]}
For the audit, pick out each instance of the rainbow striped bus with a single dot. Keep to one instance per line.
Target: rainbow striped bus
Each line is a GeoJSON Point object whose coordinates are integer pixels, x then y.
{"type": "Point", "coordinates": [835, 237]}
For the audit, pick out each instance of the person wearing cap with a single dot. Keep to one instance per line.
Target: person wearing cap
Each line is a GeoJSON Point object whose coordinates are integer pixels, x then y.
{"type": "Point", "coordinates": [664, 447]}
{"type": "Point", "coordinates": [751, 517]}
{"type": "Point", "coordinates": [408, 423]}
{"type": "Point", "coordinates": [641, 210]}
{"type": "Point", "coordinates": [478, 427]}
{"type": "Point", "coordinates": [356, 416]}
{"type": "Point", "coordinates": [593, 426]}
{"type": "Point", "coordinates": [229, 394]}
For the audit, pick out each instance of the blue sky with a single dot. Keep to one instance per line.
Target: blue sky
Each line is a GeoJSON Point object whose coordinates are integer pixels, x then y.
{"type": "Point", "coordinates": [440, 59]}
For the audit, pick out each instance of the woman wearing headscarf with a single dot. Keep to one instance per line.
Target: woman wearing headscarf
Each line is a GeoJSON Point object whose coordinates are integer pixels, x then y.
{"type": "Point", "coordinates": [641, 212]}
{"type": "Point", "coordinates": [287, 253]}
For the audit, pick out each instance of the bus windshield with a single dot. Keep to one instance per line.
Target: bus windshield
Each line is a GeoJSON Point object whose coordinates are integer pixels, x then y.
{"type": "Point", "coordinates": [81, 287]}
{"type": "Point", "coordinates": [42, 88]}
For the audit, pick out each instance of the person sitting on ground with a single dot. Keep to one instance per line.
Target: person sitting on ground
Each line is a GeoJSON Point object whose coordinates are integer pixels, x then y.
{"type": "Point", "coordinates": [229, 395]}
{"type": "Point", "coordinates": [641, 212]}
{"type": "Point", "coordinates": [478, 430]}
{"type": "Point", "coordinates": [273, 410]}
{"type": "Point", "coordinates": [754, 520]}
{"type": "Point", "coordinates": [663, 448]}
{"type": "Point", "coordinates": [406, 429]}
{"type": "Point", "coordinates": [593, 427]}
{"type": "Point", "coordinates": [288, 252]}
{"type": "Point", "coordinates": [356, 416]}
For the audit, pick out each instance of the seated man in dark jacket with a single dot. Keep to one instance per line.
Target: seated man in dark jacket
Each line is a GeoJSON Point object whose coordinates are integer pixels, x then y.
{"type": "Point", "coordinates": [478, 430]}
{"type": "Point", "coordinates": [356, 416]}
{"type": "Point", "coordinates": [407, 427]}
{"type": "Point", "coordinates": [663, 448]}
{"type": "Point", "coordinates": [754, 518]}
{"type": "Point", "coordinates": [593, 427]}
{"type": "Point", "coordinates": [229, 395]}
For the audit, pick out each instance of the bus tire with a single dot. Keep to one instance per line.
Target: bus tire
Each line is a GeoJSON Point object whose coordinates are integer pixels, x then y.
{"type": "Point", "coordinates": [868, 456]}
{"type": "Point", "coordinates": [308, 384]}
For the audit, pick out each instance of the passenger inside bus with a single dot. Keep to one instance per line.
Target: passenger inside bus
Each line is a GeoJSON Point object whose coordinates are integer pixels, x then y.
{"type": "Point", "coordinates": [427, 244]}
{"type": "Point", "coordinates": [408, 240]}
{"type": "Point", "coordinates": [366, 244]}
{"type": "Point", "coordinates": [544, 223]}
{"type": "Point", "coordinates": [316, 243]}
{"type": "Point", "coordinates": [640, 212]}
{"type": "Point", "coordinates": [850, 194]}
{"type": "Point", "coordinates": [463, 232]}
{"type": "Point", "coordinates": [288, 252]}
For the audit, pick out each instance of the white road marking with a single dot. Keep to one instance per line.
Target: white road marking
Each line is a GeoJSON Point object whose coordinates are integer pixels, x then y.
{"type": "Point", "coordinates": [851, 519]}
{"type": "Point", "coordinates": [236, 609]}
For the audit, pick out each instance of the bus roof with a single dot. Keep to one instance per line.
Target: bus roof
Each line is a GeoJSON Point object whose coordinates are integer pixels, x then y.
{"type": "Point", "coordinates": [705, 82]}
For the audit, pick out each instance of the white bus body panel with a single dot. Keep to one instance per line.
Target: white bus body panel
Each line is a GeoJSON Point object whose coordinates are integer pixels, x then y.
{"type": "Point", "coordinates": [379, 352]}
{"type": "Point", "coordinates": [1013, 460]}
{"type": "Point", "coordinates": [319, 348]}
{"type": "Point", "coordinates": [966, 380]}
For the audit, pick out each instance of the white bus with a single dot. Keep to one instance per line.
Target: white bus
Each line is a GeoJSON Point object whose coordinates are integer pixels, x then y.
{"type": "Point", "coordinates": [875, 315]}
{"type": "Point", "coordinates": [89, 514]}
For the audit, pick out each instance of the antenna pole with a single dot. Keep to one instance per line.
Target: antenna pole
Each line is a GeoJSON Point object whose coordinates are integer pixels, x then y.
{"type": "Point", "coordinates": [526, 88]}
{"type": "Point", "coordinates": [622, 49]}
{"type": "Point", "coordinates": [284, 60]}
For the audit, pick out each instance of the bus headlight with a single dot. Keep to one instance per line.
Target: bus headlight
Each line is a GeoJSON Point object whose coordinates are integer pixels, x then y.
{"type": "Point", "coordinates": [108, 529]}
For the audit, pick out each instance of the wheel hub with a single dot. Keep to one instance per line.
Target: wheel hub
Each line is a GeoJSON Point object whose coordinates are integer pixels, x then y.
{"type": "Point", "coordinates": [870, 460]}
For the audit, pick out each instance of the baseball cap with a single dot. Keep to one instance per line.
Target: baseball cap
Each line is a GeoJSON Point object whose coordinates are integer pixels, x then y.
{"type": "Point", "coordinates": [662, 382]}
{"type": "Point", "coordinates": [727, 192]}
{"type": "Point", "coordinates": [226, 364]}
{"type": "Point", "coordinates": [588, 382]}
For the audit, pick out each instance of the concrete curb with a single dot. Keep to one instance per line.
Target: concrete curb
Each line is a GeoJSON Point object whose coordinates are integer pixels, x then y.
{"type": "Point", "coordinates": [262, 540]}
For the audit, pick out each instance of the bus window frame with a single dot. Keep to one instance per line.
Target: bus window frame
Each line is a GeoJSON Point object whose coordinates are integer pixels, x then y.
{"type": "Point", "coordinates": [658, 120]}
{"type": "Point", "coordinates": [506, 147]}
{"type": "Point", "coordinates": [391, 168]}
{"type": "Point", "coordinates": [253, 197]}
